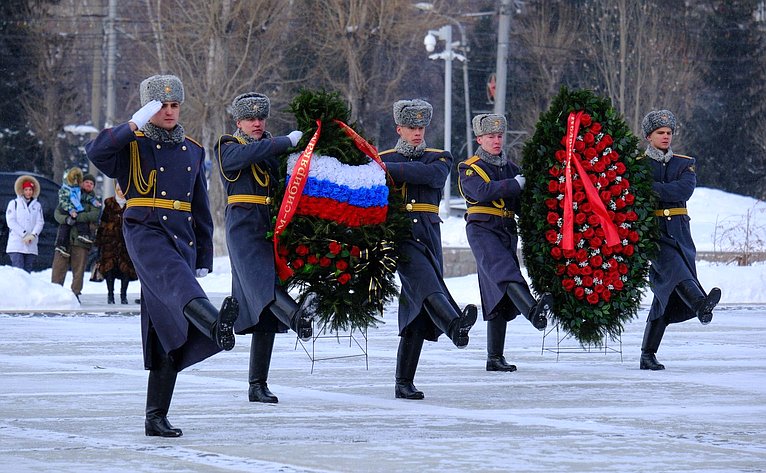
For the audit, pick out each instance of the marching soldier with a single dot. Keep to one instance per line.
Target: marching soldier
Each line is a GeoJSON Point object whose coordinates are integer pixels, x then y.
{"type": "Point", "coordinates": [426, 308]}
{"type": "Point", "coordinates": [249, 167]}
{"type": "Point", "coordinates": [491, 185]}
{"type": "Point", "coordinates": [678, 295]}
{"type": "Point", "coordinates": [169, 235]}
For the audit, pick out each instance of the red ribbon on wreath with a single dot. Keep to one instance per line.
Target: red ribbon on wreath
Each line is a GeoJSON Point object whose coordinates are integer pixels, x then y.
{"type": "Point", "coordinates": [363, 145]}
{"type": "Point", "coordinates": [610, 229]}
{"type": "Point", "coordinates": [289, 204]}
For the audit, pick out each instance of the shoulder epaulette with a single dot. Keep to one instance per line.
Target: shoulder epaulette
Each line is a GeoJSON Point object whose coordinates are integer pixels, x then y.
{"type": "Point", "coordinates": [682, 156]}
{"type": "Point", "coordinates": [231, 138]}
{"type": "Point", "coordinates": [434, 150]}
{"type": "Point", "coordinates": [471, 160]}
{"type": "Point", "coordinates": [193, 141]}
{"type": "Point", "coordinates": [386, 151]}
{"type": "Point", "coordinates": [138, 133]}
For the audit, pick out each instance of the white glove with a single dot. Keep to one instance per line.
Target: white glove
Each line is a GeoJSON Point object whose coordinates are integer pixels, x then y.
{"type": "Point", "coordinates": [145, 113]}
{"type": "Point", "coordinates": [521, 180]}
{"type": "Point", "coordinates": [28, 239]}
{"type": "Point", "coordinates": [295, 136]}
{"type": "Point", "coordinates": [201, 272]}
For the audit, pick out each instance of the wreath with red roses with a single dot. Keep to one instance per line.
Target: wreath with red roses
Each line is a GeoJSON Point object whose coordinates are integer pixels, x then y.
{"type": "Point", "coordinates": [586, 175]}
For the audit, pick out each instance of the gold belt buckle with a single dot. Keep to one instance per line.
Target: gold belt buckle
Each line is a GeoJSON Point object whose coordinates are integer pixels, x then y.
{"type": "Point", "coordinates": [176, 204]}
{"type": "Point", "coordinates": [666, 212]}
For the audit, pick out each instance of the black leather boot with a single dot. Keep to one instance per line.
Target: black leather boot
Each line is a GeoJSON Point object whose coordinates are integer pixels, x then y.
{"type": "Point", "coordinates": [289, 313]}
{"type": "Point", "coordinates": [159, 393]}
{"type": "Point", "coordinates": [653, 333]}
{"type": "Point", "coordinates": [218, 325]}
{"type": "Point", "coordinates": [695, 298]}
{"type": "Point", "coordinates": [109, 290]}
{"type": "Point", "coordinates": [124, 290]}
{"type": "Point", "coordinates": [496, 344]}
{"type": "Point", "coordinates": [448, 320]}
{"type": "Point", "coordinates": [536, 311]}
{"type": "Point", "coordinates": [260, 359]}
{"type": "Point", "coordinates": [407, 358]}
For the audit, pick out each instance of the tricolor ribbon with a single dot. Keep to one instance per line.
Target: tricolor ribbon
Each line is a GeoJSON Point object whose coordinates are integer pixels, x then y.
{"type": "Point", "coordinates": [289, 205]}
{"type": "Point", "coordinates": [610, 230]}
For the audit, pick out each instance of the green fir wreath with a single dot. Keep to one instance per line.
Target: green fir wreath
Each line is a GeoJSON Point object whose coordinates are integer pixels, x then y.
{"type": "Point", "coordinates": [343, 268]}
{"type": "Point", "coordinates": [596, 287]}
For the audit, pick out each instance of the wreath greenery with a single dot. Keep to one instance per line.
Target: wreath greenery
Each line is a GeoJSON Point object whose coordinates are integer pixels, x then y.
{"type": "Point", "coordinates": [342, 250]}
{"type": "Point", "coordinates": [596, 287]}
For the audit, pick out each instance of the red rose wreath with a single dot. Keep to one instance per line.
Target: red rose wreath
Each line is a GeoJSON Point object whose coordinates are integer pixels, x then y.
{"type": "Point", "coordinates": [586, 224]}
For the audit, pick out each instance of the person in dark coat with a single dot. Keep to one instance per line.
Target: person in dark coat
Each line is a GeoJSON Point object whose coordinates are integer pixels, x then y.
{"type": "Point", "coordinates": [168, 230]}
{"type": "Point", "coordinates": [249, 171]}
{"type": "Point", "coordinates": [678, 294]}
{"type": "Point", "coordinates": [76, 258]}
{"type": "Point", "coordinates": [114, 261]}
{"type": "Point", "coordinates": [426, 308]}
{"type": "Point", "coordinates": [491, 184]}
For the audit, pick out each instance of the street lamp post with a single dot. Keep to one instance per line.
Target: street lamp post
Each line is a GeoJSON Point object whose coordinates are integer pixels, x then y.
{"type": "Point", "coordinates": [445, 34]}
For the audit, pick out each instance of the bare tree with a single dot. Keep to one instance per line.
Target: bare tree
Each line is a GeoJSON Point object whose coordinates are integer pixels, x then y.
{"type": "Point", "coordinates": [57, 34]}
{"type": "Point", "coordinates": [364, 49]}
{"type": "Point", "coordinates": [642, 64]}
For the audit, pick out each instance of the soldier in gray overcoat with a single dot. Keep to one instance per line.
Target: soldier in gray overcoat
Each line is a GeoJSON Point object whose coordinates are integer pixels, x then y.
{"type": "Point", "coordinates": [678, 294]}
{"type": "Point", "coordinates": [249, 172]}
{"type": "Point", "coordinates": [491, 185]}
{"type": "Point", "coordinates": [168, 231]}
{"type": "Point", "coordinates": [426, 308]}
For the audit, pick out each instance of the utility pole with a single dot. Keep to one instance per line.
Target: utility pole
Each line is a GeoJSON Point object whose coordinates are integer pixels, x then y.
{"type": "Point", "coordinates": [107, 189]}
{"type": "Point", "coordinates": [501, 69]}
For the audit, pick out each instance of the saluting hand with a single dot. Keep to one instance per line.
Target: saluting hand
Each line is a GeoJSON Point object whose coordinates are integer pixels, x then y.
{"type": "Point", "coordinates": [145, 113]}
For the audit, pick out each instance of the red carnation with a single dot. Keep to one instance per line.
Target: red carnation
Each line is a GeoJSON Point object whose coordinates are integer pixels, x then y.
{"type": "Point", "coordinates": [632, 236]}
{"type": "Point", "coordinates": [579, 292]}
{"type": "Point", "coordinates": [298, 263]}
{"type": "Point", "coordinates": [568, 284]}
{"type": "Point", "coordinates": [592, 298]}
{"type": "Point", "coordinates": [553, 186]}
{"type": "Point", "coordinates": [586, 270]}
{"type": "Point", "coordinates": [551, 236]}
{"type": "Point", "coordinates": [552, 218]}
{"type": "Point", "coordinates": [334, 247]}
{"type": "Point", "coordinates": [622, 268]}
{"type": "Point", "coordinates": [620, 168]}
{"type": "Point", "coordinates": [606, 296]}
{"type": "Point", "coordinates": [573, 269]}
{"type": "Point", "coordinates": [579, 146]}
{"type": "Point", "coordinates": [631, 216]}
{"type": "Point", "coordinates": [595, 242]}
{"type": "Point", "coordinates": [618, 284]}
{"type": "Point", "coordinates": [581, 255]}
{"type": "Point", "coordinates": [630, 199]}
{"type": "Point", "coordinates": [560, 269]}
{"type": "Point", "coordinates": [620, 204]}
{"type": "Point", "coordinates": [596, 261]}
{"type": "Point", "coordinates": [569, 254]}
{"type": "Point", "coordinates": [355, 251]}
{"type": "Point", "coordinates": [595, 128]}
{"type": "Point", "coordinates": [587, 281]}
{"type": "Point", "coordinates": [312, 259]}
{"type": "Point", "coordinates": [588, 138]}
{"type": "Point", "coordinates": [589, 233]}
{"type": "Point", "coordinates": [302, 250]}
{"type": "Point", "coordinates": [344, 278]}
{"type": "Point", "coordinates": [552, 203]}
{"type": "Point", "coordinates": [555, 171]}
{"type": "Point", "coordinates": [578, 196]}
{"type": "Point", "coordinates": [593, 220]}
{"type": "Point", "coordinates": [556, 252]}
{"type": "Point", "coordinates": [341, 265]}
{"type": "Point", "coordinates": [585, 119]}
{"type": "Point", "coordinates": [580, 218]}
{"type": "Point", "coordinates": [628, 250]}
{"type": "Point", "coordinates": [607, 140]}
{"type": "Point", "coordinates": [324, 261]}
{"type": "Point", "coordinates": [590, 153]}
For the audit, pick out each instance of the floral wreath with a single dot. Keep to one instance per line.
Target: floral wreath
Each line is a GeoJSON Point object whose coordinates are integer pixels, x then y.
{"type": "Point", "coordinates": [340, 246]}
{"type": "Point", "coordinates": [591, 251]}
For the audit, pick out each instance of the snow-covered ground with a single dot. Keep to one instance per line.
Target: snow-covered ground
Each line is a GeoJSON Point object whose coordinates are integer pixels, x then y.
{"type": "Point", "coordinates": [73, 390]}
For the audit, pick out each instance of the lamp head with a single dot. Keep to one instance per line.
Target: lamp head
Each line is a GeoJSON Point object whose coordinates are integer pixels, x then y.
{"type": "Point", "coordinates": [430, 42]}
